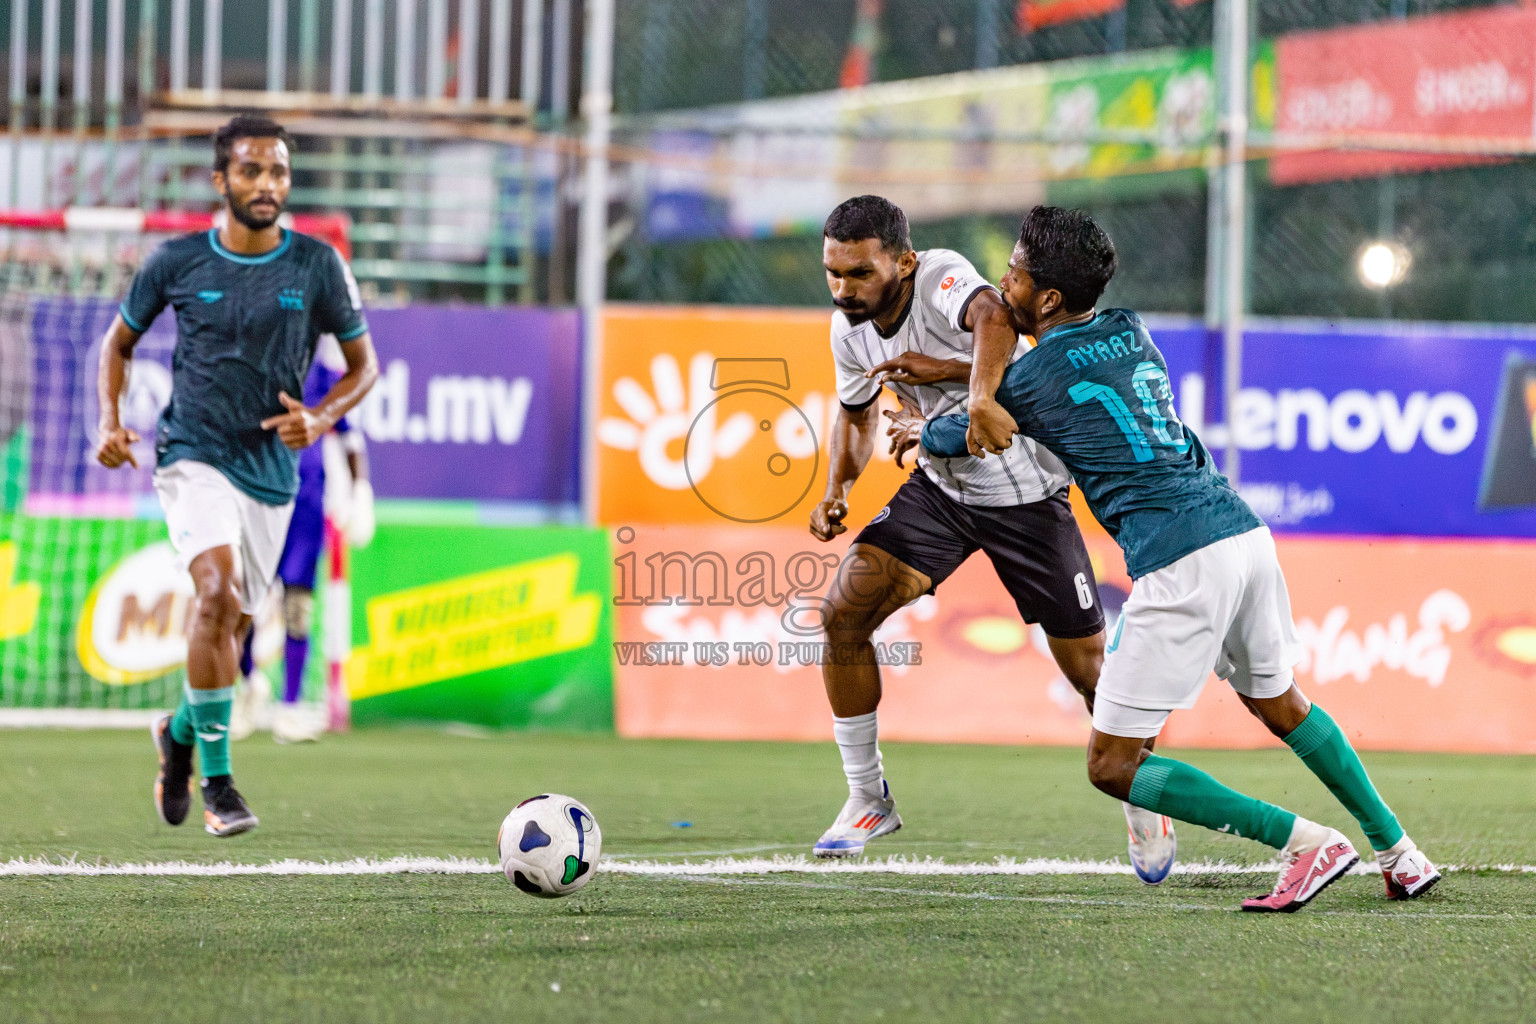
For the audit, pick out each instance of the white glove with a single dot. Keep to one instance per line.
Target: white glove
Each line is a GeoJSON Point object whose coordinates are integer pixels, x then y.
{"type": "Point", "coordinates": [360, 523]}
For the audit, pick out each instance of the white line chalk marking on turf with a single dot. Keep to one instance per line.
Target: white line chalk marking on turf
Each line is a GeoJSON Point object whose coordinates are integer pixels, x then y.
{"type": "Point", "coordinates": [221, 869]}
{"type": "Point", "coordinates": [728, 866]}
{"type": "Point", "coordinates": [1226, 908]}
{"type": "Point", "coordinates": [76, 718]}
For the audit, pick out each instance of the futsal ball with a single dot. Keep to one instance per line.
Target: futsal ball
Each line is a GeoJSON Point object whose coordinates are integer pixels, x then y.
{"type": "Point", "coordinates": [549, 845]}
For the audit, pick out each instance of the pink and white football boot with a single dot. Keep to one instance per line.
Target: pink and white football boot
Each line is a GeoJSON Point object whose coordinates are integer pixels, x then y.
{"type": "Point", "coordinates": [1411, 874]}
{"type": "Point", "coordinates": [1308, 873]}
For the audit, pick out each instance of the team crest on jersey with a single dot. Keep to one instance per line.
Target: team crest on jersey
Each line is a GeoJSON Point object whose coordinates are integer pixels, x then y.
{"type": "Point", "coordinates": [291, 298]}
{"type": "Point", "coordinates": [947, 283]}
{"type": "Point", "coordinates": [882, 516]}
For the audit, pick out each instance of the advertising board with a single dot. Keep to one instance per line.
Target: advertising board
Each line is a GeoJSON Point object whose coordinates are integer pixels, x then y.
{"type": "Point", "coordinates": [495, 627]}
{"type": "Point", "coordinates": [717, 639]}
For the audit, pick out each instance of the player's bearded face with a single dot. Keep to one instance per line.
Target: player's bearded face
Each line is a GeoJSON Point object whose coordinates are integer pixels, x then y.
{"type": "Point", "coordinates": [865, 280]}
{"type": "Point", "coordinates": [255, 182]}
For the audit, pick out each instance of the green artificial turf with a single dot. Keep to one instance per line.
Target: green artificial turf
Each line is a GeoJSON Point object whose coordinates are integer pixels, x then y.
{"type": "Point", "coordinates": [791, 947]}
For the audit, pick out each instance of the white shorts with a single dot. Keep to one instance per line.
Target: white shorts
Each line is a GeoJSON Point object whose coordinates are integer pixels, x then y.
{"type": "Point", "coordinates": [1223, 608]}
{"type": "Point", "coordinates": [203, 510]}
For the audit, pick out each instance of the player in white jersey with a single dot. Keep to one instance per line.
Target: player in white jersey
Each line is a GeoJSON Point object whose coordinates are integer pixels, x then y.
{"type": "Point", "coordinates": [906, 320]}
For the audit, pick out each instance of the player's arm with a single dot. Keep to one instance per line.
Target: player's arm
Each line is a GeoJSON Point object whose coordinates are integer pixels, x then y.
{"type": "Point", "coordinates": [917, 368]}
{"type": "Point", "coordinates": [987, 318]}
{"type": "Point", "coordinates": [301, 426]}
{"type": "Point", "coordinates": [849, 450]}
{"type": "Point", "coordinates": [945, 436]}
{"type": "Point", "coordinates": [112, 371]}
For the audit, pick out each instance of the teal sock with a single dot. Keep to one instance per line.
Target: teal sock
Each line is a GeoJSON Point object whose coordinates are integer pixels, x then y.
{"type": "Point", "coordinates": [1185, 792]}
{"type": "Point", "coordinates": [210, 720]}
{"type": "Point", "coordinates": [1322, 747]}
{"type": "Point", "coordinates": [182, 730]}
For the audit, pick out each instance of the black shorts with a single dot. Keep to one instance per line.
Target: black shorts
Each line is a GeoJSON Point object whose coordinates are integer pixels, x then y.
{"type": "Point", "coordinates": [1036, 549]}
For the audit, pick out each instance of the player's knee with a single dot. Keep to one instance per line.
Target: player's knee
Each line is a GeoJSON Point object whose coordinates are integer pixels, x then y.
{"type": "Point", "coordinates": [1111, 770]}
{"type": "Point", "coordinates": [299, 612]}
{"type": "Point", "coordinates": [848, 621]}
{"type": "Point", "coordinates": [869, 585]}
{"type": "Point", "coordinates": [218, 609]}
{"type": "Point", "coordinates": [853, 614]}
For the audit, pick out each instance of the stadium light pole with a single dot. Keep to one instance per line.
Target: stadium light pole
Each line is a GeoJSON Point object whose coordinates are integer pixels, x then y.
{"type": "Point", "coordinates": [592, 240]}
{"type": "Point", "coordinates": [1233, 128]}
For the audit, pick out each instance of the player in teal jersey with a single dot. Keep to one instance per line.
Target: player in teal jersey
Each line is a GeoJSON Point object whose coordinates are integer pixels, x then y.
{"type": "Point", "coordinates": [251, 299]}
{"type": "Point", "coordinates": [1207, 590]}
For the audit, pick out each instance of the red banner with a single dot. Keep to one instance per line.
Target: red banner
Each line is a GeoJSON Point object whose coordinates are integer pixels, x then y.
{"type": "Point", "coordinates": [1458, 81]}
{"type": "Point", "coordinates": [1411, 645]}
{"type": "Point", "coordinates": [1033, 14]}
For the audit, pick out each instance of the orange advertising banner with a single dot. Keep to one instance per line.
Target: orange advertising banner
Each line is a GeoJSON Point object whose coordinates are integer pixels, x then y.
{"type": "Point", "coordinates": [1410, 644]}
{"type": "Point", "coordinates": [720, 416]}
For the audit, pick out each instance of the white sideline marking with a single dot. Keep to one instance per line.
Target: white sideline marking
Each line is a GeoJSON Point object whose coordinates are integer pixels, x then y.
{"type": "Point", "coordinates": [726, 866]}
{"type": "Point", "coordinates": [1075, 901]}
{"type": "Point", "coordinates": [77, 718]}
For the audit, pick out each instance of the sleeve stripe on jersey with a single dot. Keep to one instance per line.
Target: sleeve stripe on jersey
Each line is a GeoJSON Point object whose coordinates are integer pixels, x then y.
{"type": "Point", "coordinates": [132, 324]}
{"type": "Point", "coordinates": [966, 306]}
{"type": "Point", "coordinates": [356, 332]}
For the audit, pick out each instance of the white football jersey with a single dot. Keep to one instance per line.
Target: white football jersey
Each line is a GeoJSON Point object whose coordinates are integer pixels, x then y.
{"type": "Point", "coordinates": [934, 325]}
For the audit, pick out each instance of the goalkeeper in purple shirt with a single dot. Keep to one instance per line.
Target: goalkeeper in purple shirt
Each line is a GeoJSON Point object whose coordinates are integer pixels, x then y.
{"type": "Point", "coordinates": [298, 568]}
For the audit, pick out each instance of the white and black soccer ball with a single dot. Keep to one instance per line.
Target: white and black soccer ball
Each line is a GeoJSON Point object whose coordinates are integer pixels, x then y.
{"type": "Point", "coordinates": [549, 845]}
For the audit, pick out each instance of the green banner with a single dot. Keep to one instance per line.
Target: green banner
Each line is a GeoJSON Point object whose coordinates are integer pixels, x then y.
{"type": "Point", "coordinates": [1166, 97]}
{"type": "Point", "coordinates": [499, 627]}
{"type": "Point", "coordinates": [92, 614]}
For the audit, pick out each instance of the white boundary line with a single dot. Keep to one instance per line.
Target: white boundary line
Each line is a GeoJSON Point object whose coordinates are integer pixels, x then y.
{"type": "Point", "coordinates": [77, 718]}
{"type": "Point", "coordinates": [1076, 901]}
{"type": "Point", "coordinates": [726, 866]}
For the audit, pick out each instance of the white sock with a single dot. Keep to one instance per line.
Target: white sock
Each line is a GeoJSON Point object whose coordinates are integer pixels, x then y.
{"type": "Point", "coordinates": [858, 741]}
{"type": "Point", "coordinates": [1387, 859]}
{"type": "Point", "coordinates": [1306, 836]}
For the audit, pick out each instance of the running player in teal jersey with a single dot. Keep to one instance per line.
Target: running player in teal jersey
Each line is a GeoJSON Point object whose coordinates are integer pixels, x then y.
{"type": "Point", "coordinates": [1207, 590]}
{"type": "Point", "coordinates": [251, 299]}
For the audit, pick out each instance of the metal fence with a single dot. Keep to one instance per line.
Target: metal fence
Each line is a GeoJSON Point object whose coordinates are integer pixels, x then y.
{"type": "Point", "coordinates": [447, 130]}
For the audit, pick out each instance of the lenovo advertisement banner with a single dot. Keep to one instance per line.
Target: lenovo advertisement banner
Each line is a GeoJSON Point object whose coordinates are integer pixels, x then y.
{"type": "Point", "coordinates": [1345, 428]}
{"type": "Point", "coordinates": [1417, 429]}
{"type": "Point", "coordinates": [1465, 78]}
{"type": "Point", "coordinates": [718, 638]}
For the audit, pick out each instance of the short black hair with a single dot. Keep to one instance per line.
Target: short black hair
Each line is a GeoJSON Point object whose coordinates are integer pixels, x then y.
{"type": "Point", "coordinates": [1068, 251]}
{"type": "Point", "coordinates": [246, 126]}
{"type": "Point", "coordinates": [870, 217]}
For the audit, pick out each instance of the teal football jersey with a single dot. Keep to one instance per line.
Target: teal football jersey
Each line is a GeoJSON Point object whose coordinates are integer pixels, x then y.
{"type": "Point", "coordinates": [246, 329]}
{"type": "Point", "coordinates": [1097, 395]}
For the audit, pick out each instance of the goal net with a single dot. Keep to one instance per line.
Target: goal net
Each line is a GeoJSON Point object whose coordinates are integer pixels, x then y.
{"type": "Point", "coordinates": [93, 612]}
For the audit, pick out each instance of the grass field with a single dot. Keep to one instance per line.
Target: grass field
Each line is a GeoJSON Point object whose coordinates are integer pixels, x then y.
{"type": "Point", "coordinates": [789, 946]}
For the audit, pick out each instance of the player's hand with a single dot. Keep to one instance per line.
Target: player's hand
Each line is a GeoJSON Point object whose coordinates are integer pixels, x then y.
{"type": "Point", "coordinates": [916, 368]}
{"type": "Point", "coordinates": [299, 427]}
{"type": "Point", "coordinates": [991, 429]}
{"type": "Point", "coordinates": [113, 450]}
{"type": "Point", "coordinates": [827, 518]}
{"type": "Point", "coordinates": [905, 430]}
